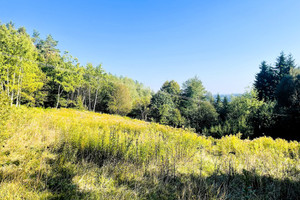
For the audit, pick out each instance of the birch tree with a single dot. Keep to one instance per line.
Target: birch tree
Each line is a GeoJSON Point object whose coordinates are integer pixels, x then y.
{"type": "Point", "coordinates": [20, 75]}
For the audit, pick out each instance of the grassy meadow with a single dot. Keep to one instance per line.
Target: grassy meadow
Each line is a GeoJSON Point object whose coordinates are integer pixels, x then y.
{"type": "Point", "coordinates": [72, 154]}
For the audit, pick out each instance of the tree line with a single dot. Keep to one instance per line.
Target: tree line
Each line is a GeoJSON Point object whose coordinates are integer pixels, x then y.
{"type": "Point", "coordinates": [34, 72]}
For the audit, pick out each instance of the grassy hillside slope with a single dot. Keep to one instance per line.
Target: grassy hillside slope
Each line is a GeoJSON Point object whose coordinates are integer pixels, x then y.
{"type": "Point", "coordinates": [70, 154]}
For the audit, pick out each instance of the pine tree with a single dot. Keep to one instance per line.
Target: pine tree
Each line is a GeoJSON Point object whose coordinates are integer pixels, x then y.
{"type": "Point", "coordinates": [266, 82]}
{"type": "Point", "coordinates": [225, 109]}
{"type": "Point", "coordinates": [284, 65]}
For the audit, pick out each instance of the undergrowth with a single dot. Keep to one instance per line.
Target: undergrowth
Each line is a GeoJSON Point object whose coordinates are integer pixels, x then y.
{"type": "Point", "coordinates": [70, 154]}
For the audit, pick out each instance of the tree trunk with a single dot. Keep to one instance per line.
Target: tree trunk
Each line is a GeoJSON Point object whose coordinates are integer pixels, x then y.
{"type": "Point", "coordinates": [18, 93]}
{"type": "Point", "coordinates": [12, 91]}
{"type": "Point", "coordinates": [7, 70]}
{"type": "Point", "coordinates": [83, 100]}
{"type": "Point", "coordinates": [90, 98]}
{"type": "Point", "coordinates": [96, 99]}
{"type": "Point", "coordinates": [58, 96]}
{"type": "Point", "coordinates": [78, 94]}
{"type": "Point", "coordinates": [142, 114]}
{"type": "Point", "coordinates": [7, 81]}
{"type": "Point", "coordinates": [72, 95]}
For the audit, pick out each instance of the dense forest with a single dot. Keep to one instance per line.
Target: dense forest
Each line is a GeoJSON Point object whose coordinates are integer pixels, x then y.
{"type": "Point", "coordinates": [34, 72]}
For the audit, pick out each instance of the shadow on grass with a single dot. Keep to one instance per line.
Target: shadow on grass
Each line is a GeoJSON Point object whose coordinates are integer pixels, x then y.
{"type": "Point", "coordinates": [247, 185]}
{"type": "Point", "coordinates": [59, 179]}
{"type": "Point", "coordinates": [163, 183]}
{"type": "Point", "coordinates": [61, 185]}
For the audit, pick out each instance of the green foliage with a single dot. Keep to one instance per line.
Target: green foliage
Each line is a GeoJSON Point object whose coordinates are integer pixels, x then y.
{"type": "Point", "coordinates": [244, 114]}
{"type": "Point", "coordinates": [20, 77]}
{"type": "Point", "coordinates": [240, 110]}
{"type": "Point", "coordinates": [194, 92]}
{"type": "Point", "coordinates": [202, 117]}
{"type": "Point", "coordinates": [287, 93]}
{"type": "Point", "coordinates": [164, 105]}
{"type": "Point", "coordinates": [120, 100]}
{"type": "Point", "coordinates": [163, 108]}
{"type": "Point", "coordinates": [284, 65]}
{"type": "Point", "coordinates": [93, 80]}
{"type": "Point", "coordinates": [137, 90]}
{"type": "Point", "coordinates": [141, 107]}
{"type": "Point", "coordinates": [197, 112]}
{"type": "Point", "coordinates": [263, 119]}
{"type": "Point", "coordinates": [172, 88]}
{"type": "Point", "coordinates": [223, 112]}
{"type": "Point", "coordinates": [269, 78]}
{"type": "Point", "coordinates": [265, 82]}
{"type": "Point", "coordinates": [287, 110]}
{"type": "Point", "coordinates": [280, 84]}
{"type": "Point", "coordinates": [33, 72]}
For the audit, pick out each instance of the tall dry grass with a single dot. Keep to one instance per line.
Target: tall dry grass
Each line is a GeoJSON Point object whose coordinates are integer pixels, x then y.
{"type": "Point", "coordinates": [70, 154]}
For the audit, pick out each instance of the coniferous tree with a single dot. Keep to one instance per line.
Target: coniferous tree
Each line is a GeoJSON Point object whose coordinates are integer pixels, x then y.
{"type": "Point", "coordinates": [225, 109]}
{"type": "Point", "coordinates": [194, 105]}
{"type": "Point", "coordinates": [218, 104]}
{"type": "Point", "coordinates": [193, 93]}
{"type": "Point", "coordinates": [265, 82]}
{"type": "Point", "coordinates": [284, 65]}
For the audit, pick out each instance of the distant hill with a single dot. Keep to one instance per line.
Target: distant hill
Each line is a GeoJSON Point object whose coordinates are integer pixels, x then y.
{"type": "Point", "coordinates": [229, 96]}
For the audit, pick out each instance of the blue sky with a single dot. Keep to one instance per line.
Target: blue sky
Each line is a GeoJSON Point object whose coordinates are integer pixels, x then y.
{"type": "Point", "coordinates": [222, 42]}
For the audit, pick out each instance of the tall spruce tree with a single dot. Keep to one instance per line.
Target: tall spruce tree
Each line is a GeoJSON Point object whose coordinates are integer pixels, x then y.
{"type": "Point", "coordinates": [283, 65]}
{"type": "Point", "coordinates": [265, 82]}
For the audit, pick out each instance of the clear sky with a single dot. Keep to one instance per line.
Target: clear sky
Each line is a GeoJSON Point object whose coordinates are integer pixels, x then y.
{"type": "Point", "coordinates": [221, 41]}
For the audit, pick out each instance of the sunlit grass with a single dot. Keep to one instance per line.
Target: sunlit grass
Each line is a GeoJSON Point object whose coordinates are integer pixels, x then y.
{"type": "Point", "coordinates": [70, 154]}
